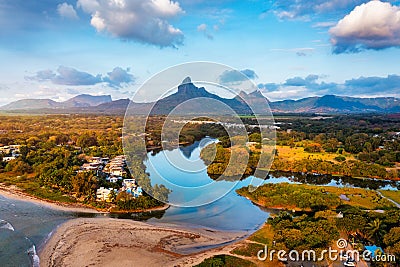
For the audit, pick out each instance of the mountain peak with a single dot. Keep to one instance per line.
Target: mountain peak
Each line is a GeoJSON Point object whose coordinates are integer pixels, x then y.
{"type": "Point", "coordinates": [257, 93]}
{"type": "Point", "coordinates": [187, 80]}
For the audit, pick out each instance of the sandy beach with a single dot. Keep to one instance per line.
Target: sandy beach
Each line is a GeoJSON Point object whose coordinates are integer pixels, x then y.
{"type": "Point", "coordinates": [13, 192]}
{"type": "Point", "coordinates": [116, 242]}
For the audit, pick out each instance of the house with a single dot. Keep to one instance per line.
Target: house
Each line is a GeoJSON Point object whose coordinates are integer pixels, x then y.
{"type": "Point", "coordinates": [114, 179]}
{"type": "Point", "coordinates": [103, 194]}
{"type": "Point", "coordinates": [117, 171]}
{"type": "Point", "coordinates": [134, 191]}
{"type": "Point", "coordinates": [95, 160]}
{"type": "Point", "coordinates": [128, 182]}
{"type": "Point", "coordinates": [7, 159]}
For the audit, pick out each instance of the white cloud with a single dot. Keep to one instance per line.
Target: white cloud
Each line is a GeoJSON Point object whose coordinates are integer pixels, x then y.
{"type": "Point", "coordinates": [67, 11]}
{"type": "Point", "coordinates": [203, 28]}
{"type": "Point", "coordinates": [325, 24]}
{"type": "Point", "coordinates": [374, 25]}
{"type": "Point", "coordinates": [70, 76]}
{"type": "Point", "coordinates": [145, 21]}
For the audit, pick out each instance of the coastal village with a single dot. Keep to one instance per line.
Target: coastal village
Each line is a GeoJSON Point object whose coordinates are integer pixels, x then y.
{"type": "Point", "coordinates": [114, 171]}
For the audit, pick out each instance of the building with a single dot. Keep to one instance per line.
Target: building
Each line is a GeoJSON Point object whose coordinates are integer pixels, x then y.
{"type": "Point", "coordinates": [130, 186]}
{"type": "Point", "coordinates": [103, 194]}
{"type": "Point", "coordinates": [7, 159]}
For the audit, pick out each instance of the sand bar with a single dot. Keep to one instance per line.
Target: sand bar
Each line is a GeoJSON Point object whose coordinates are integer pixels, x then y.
{"type": "Point", "coordinates": [116, 242]}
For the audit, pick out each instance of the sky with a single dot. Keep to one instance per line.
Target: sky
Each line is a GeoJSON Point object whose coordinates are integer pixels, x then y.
{"type": "Point", "coordinates": [291, 49]}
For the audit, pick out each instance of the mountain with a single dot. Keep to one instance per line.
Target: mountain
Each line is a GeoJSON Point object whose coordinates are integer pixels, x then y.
{"type": "Point", "coordinates": [205, 103]}
{"type": "Point", "coordinates": [26, 104]}
{"type": "Point", "coordinates": [186, 91]}
{"type": "Point", "coordinates": [85, 100]}
{"type": "Point", "coordinates": [337, 104]}
{"type": "Point", "coordinates": [79, 101]}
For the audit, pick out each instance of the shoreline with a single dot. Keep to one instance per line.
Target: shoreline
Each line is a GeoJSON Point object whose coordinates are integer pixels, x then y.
{"type": "Point", "coordinates": [108, 241]}
{"type": "Point", "coordinates": [13, 192]}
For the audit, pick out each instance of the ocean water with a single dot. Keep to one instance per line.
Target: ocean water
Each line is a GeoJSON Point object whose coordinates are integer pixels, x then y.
{"type": "Point", "coordinates": [24, 227]}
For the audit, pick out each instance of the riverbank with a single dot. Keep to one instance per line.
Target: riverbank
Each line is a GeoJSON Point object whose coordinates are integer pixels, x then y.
{"type": "Point", "coordinates": [111, 242]}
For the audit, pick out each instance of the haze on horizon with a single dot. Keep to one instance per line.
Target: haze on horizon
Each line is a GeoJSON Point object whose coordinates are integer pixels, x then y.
{"type": "Point", "coordinates": [291, 49]}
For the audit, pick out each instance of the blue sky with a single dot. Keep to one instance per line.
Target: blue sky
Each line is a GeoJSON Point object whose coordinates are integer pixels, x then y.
{"type": "Point", "coordinates": [292, 48]}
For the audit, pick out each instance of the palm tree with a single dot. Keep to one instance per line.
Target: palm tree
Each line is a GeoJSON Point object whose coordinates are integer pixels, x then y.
{"type": "Point", "coordinates": [376, 230]}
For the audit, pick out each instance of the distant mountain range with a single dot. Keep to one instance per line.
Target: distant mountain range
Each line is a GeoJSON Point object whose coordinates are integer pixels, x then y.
{"type": "Point", "coordinates": [330, 104]}
{"type": "Point", "coordinates": [80, 101]}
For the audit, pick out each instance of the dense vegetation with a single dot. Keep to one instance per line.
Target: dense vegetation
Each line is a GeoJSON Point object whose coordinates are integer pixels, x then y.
{"type": "Point", "coordinates": [311, 197]}
{"type": "Point", "coordinates": [54, 147]}
{"type": "Point", "coordinates": [225, 261]}
{"type": "Point", "coordinates": [319, 230]}
{"type": "Point", "coordinates": [343, 145]}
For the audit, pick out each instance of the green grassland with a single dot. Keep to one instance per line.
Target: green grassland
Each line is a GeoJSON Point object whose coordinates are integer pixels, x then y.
{"type": "Point", "coordinates": [310, 197]}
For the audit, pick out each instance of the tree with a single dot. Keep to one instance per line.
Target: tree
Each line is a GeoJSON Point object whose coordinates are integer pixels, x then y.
{"type": "Point", "coordinates": [112, 196]}
{"type": "Point", "coordinates": [392, 240]}
{"type": "Point", "coordinates": [376, 230]}
{"type": "Point", "coordinates": [87, 140]}
{"type": "Point", "coordinates": [84, 184]}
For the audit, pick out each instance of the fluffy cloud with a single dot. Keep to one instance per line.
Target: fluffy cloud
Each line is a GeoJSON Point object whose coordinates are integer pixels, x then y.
{"type": "Point", "coordinates": [374, 25]}
{"type": "Point", "coordinates": [67, 11]}
{"type": "Point", "coordinates": [119, 76]}
{"type": "Point", "coordinates": [70, 76]}
{"type": "Point", "coordinates": [145, 21]}
{"type": "Point", "coordinates": [374, 85]}
{"type": "Point", "coordinates": [234, 76]}
{"type": "Point", "coordinates": [298, 87]}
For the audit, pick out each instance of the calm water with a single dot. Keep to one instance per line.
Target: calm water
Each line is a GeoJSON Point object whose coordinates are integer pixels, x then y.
{"type": "Point", "coordinates": [25, 226]}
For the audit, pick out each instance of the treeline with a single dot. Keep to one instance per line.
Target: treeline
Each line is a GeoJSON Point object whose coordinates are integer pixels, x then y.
{"type": "Point", "coordinates": [373, 143]}
{"type": "Point", "coordinates": [373, 139]}
{"type": "Point", "coordinates": [125, 202]}
{"type": "Point", "coordinates": [351, 168]}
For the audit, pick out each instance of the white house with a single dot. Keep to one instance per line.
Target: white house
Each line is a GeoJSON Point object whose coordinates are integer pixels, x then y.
{"type": "Point", "coordinates": [103, 194]}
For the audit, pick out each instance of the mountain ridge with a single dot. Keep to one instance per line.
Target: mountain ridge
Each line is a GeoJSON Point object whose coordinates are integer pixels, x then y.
{"type": "Point", "coordinates": [241, 103]}
{"type": "Point", "coordinates": [79, 101]}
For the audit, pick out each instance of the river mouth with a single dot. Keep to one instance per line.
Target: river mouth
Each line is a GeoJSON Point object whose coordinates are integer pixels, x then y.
{"type": "Point", "coordinates": [33, 223]}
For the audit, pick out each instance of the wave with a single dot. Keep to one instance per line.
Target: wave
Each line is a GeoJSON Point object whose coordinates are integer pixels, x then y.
{"type": "Point", "coordinates": [6, 225]}
{"type": "Point", "coordinates": [34, 256]}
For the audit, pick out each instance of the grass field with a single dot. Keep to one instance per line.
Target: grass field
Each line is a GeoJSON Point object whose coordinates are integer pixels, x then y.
{"type": "Point", "coordinates": [270, 196]}
{"type": "Point", "coordinates": [393, 195]}
{"type": "Point", "coordinates": [265, 235]}
{"type": "Point", "coordinates": [298, 153]}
